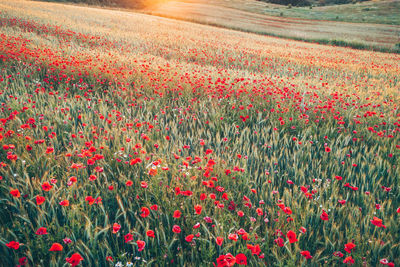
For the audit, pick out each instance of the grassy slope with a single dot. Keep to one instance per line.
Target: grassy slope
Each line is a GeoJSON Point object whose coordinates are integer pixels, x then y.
{"type": "Point", "coordinates": [380, 12]}
{"type": "Point", "coordinates": [358, 35]}
{"type": "Point", "coordinates": [325, 25]}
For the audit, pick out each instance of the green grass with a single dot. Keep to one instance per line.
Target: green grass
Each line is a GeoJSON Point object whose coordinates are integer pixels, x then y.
{"type": "Point", "coordinates": [385, 12]}
{"type": "Point", "coordinates": [327, 41]}
{"type": "Point", "coordinates": [381, 12]}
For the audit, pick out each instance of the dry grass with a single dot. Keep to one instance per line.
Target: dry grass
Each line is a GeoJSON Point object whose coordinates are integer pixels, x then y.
{"type": "Point", "coordinates": [246, 19]}
{"type": "Point", "coordinates": [376, 11]}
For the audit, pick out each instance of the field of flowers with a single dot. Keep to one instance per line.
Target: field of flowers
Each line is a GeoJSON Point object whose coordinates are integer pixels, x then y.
{"type": "Point", "coordinates": [128, 139]}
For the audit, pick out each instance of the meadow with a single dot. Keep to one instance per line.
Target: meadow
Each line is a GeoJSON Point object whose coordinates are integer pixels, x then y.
{"type": "Point", "coordinates": [130, 138]}
{"type": "Point", "coordinates": [376, 11]}
{"type": "Point", "coordinates": [377, 26]}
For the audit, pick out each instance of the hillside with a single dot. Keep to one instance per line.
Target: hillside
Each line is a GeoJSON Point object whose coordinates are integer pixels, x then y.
{"type": "Point", "coordinates": [378, 11]}
{"type": "Point", "coordinates": [128, 139]}
{"type": "Point", "coordinates": [246, 17]}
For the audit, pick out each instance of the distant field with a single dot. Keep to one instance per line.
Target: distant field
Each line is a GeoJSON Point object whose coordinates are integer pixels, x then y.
{"type": "Point", "coordinates": [357, 35]}
{"type": "Point", "coordinates": [380, 12]}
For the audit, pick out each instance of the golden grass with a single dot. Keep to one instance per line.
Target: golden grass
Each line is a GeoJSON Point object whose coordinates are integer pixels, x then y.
{"type": "Point", "coordinates": [231, 15]}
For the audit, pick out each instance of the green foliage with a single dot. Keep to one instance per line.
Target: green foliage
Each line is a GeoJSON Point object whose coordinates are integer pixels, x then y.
{"type": "Point", "coordinates": [311, 2]}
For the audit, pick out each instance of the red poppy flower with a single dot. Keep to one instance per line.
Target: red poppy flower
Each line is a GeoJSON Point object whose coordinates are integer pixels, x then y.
{"type": "Point", "coordinates": [279, 241]}
{"type": "Point", "coordinates": [73, 179]}
{"type": "Point", "coordinates": [226, 260]}
{"type": "Point", "coordinates": [90, 200]}
{"type": "Point", "coordinates": [150, 233]}
{"type": "Point", "coordinates": [75, 259]}
{"type": "Point", "coordinates": [176, 229]}
{"type": "Point", "coordinates": [339, 178]}
{"type": "Point", "coordinates": [324, 216]}
{"type": "Point", "coordinates": [143, 184]}
{"type": "Point", "coordinates": [153, 171]}
{"type": "Point", "coordinates": [128, 237]}
{"type": "Point", "coordinates": [377, 222]}
{"type": "Point", "coordinates": [141, 244]}
{"type": "Point", "coordinates": [145, 212]}
{"type": "Point", "coordinates": [306, 254]}
{"type": "Point", "coordinates": [198, 209]}
{"type": "Point", "coordinates": [56, 247]}
{"type": "Point", "coordinates": [254, 249]}
{"type": "Point", "coordinates": [22, 261]}
{"type": "Point", "coordinates": [259, 212]}
{"type": "Point", "coordinates": [46, 186]}
{"type": "Point", "coordinates": [135, 161]}
{"type": "Point", "coordinates": [177, 214]}
{"type": "Point", "coordinates": [219, 241]}
{"type": "Point", "coordinates": [41, 231]}
{"type": "Point", "coordinates": [349, 247]}
{"type": "Point", "coordinates": [189, 238]}
{"type": "Point", "coordinates": [116, 228]}
{"type": "Point", "coordinates": [221, 261]}
{"type": "Point", "coordinates": [241, 259]}
{"type": "Point", "coordinates": [287, 210]}
{"type": "Point", "coordinates": [13, 244]}
{"type": "Point", "coordinates": [349, 260]}
{"type": "Point", "coordinates": [64, 203]}
{"type": "Point", "coordinates": [233, 237]}
{"type": "Point", "coordinates": [291, 236]}
{"type": "Point", "coordinates": [338, 254]}
{"type": "Point", "coordinates": [15, 193]}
